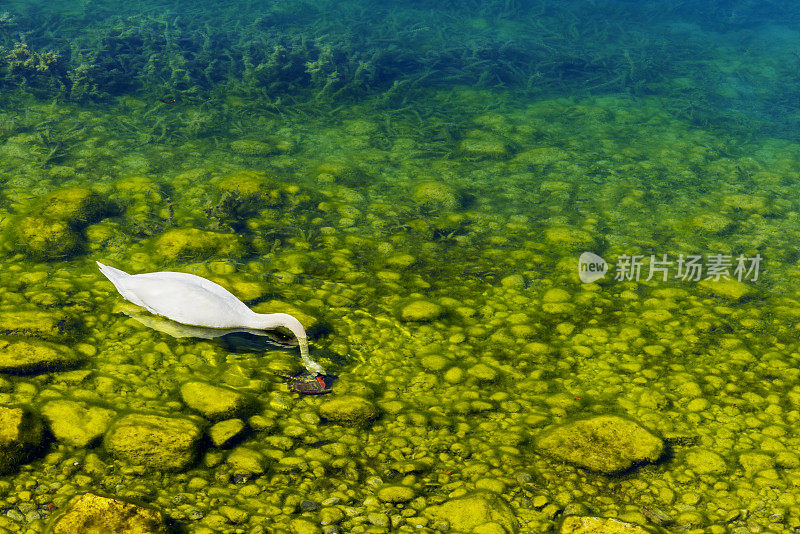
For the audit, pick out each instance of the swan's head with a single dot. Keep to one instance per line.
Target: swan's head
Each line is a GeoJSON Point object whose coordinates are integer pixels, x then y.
{"type": "Point", "coordinates": [270, 321]}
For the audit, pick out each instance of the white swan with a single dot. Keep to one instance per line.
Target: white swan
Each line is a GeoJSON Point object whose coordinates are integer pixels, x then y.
{"type": "Point", "coordinates": [192, 300]}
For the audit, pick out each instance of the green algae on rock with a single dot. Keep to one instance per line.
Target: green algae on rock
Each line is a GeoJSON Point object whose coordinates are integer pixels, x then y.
{"type": "Point", "coordinates": [434, 197]}
{"type": "Point", "coordinates": [705, 462]}
{"type": "Point", "coordinates": [89, 513]}
{"type": "Point", "coordinates": [421, 311]}
{"type": "Point", "coordinates": [168, 443]}
{"type": "Point", "coordinates": [52, 326]}
{"type": "Point", "coordinates": [246, 461]}
{"type": "Point", "coordinates": [191, 243]}
{"type": "Point", "coordinates": [304, 526]}
{"type": "Point", "coordinates": [23, 357]}
{"type": "Point", "coordinates": [309, 321]}
{"type": "Point", "coordinates": [568, 239]}
{"type": "Point", "coordinates": [606, 443]}
{"type": "Point", "coordinates": [78, 206]}
{"type": "Point", "coordinates": [471, 511]}
{"type": "Point", "coordinates": [251, 147]}
{"type": "Point", "coordinates": [46, 239]}
{"type": "Point", "coordinates": [225, 432]}
{"type": "Point", "coordinates": [598, 525]}
{"type": "Point", "coordinates": [714, 223]}
{"type": "Point", "coordinates": [76, 423]}
{"type": "Point", "coordinates": [215, 402]}
{"type": "Point", "coordinates": [21, 435]}
{"type": "Point", "coordinates": [348, 410]}
{"type": "Point", "coordinates": [731, 289]}
{"type": "Point", "coordinates": [485, 147]}
{"type": "Point", "coordinates": [396, 494]}
{"type": "Point", "coordinates": [482, 372]}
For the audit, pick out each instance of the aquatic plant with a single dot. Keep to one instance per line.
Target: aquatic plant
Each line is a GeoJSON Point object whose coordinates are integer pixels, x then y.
{"type": "Point", "coordinates": [42, 72]}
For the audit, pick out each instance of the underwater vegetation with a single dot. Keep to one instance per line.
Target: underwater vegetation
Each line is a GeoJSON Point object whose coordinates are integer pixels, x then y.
{"type": "Point", "coordinates": [287, 54]}
{"type": "Point", "coordinates": [330, 50]}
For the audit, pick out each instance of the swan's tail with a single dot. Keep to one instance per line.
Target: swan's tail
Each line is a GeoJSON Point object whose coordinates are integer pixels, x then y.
{"type": "Point", "coordinates": [120, 280]}
{"type": "Point", "coordinates": [112, 273]}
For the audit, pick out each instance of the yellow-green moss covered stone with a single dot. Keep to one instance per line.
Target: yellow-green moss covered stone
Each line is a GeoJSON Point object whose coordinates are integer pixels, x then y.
{"type": "Point", "coordinates": [89, 513]}
{"type": "Point", "coordinates": [485, 148]}
{"type": "Point", "coordinates": [214, 402]}
{"type": "Point", "coordinates": [226, 431]}
{"type": "Point", "coordinates": [52, 326]}
{"type": "Point", "coordinates": [729, 289]}
{"type": "Point", "coordinates": [396, 494]}
{"type": "Point", "coordinates": [20, 436]}
{"type": "Point", "coordinates": [476, 509]}
{"type": "Point", "coordinates": [421, 311]}
{"type": "Point", "coordinates": [251, 147]}
{"type": "Point", "coordinates": [191, 243]}
{"type": "Point", "coordinates": [435, 196]}
{"type": "Point", "coordinates": [304, 526]}
{"type": "Point", "coordinates": [598, 525]}
{"type": "Point", "coordinates": [23, 357]}
{"type": "Point", "coordinates": [348, 409]}
{"type": "Point", "coordinates": [244, 460]}
{"type": "Point", "coordinates": [706, 462]}
{"type": "Point", "coordinates": [167, 443]}
{"type": "Point", "coordinates": [606, 443]}
{"type": "Point", "coordinates": [45, 239]}
{"type": "Point", "coordinates": [569, 239]}
{"type": "Point", "coordinates": [78, 206]}
{"type": "Point", "coordinates": [76, 423]}
{"type": "Point", "coordinates": [714, 223]}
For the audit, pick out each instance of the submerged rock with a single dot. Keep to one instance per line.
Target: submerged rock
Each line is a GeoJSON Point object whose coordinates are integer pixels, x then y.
{"type": "Point", "coordinates": [77, 206]}
{"type": "Point", "coordinates": [20, 436]}
{"type": "Point", "coordinates": [485, 147]}
{"type": "Point", "coordinates": [606, 443]}
{"type": "Point", "coordinates": [76, 423]}
{"type": "Point", "coordinates": [472, 511]}
{"type": "Point", "coordinates": [713, 223]}
{"type": "Point", "coordinates": [396, 494]}
{"type": "Point", "coordinates": [348, 410]}
{"type": "Point", "coordinates": [706, 462]}
{"type": "Point", "coordinates": [435, 197]}
{"type": "Point", "coordinates": [251, 147]}
{"type": "Point", "coordinates": [23, 358]}
{"type": "Point", "coordinates": [421, 311]}
{"type": "Point", "coordinates": [246, 461]}
{"type": "Point", "coordinates": [46, 239]}
{"type": "Point", "coordinates": [598, 525]}
{"type": "Point", "coordinates": [225, 432]}
{"type": "Point", "coordinates": [167, 443]}
{"type": "Point", "coordinates": [728, 289]}
{"type": "Point", "coordinates": [191, 243]}
{"type": "Point", "coordinates": [569, 239]}
{"type": "Point", "coordinates": [36, 323]}
{"type": "Point", "coordinates": [214, 402]}
{"type": "Point", "coordinates": [92, 513]}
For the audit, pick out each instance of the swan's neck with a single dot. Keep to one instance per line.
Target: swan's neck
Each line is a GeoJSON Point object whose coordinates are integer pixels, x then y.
{"type": "Point", "coordinates": [270, 321]}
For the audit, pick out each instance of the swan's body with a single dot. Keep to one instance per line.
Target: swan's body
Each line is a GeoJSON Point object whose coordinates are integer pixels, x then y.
{"type": "Point", "coordinates": [192, 300]}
